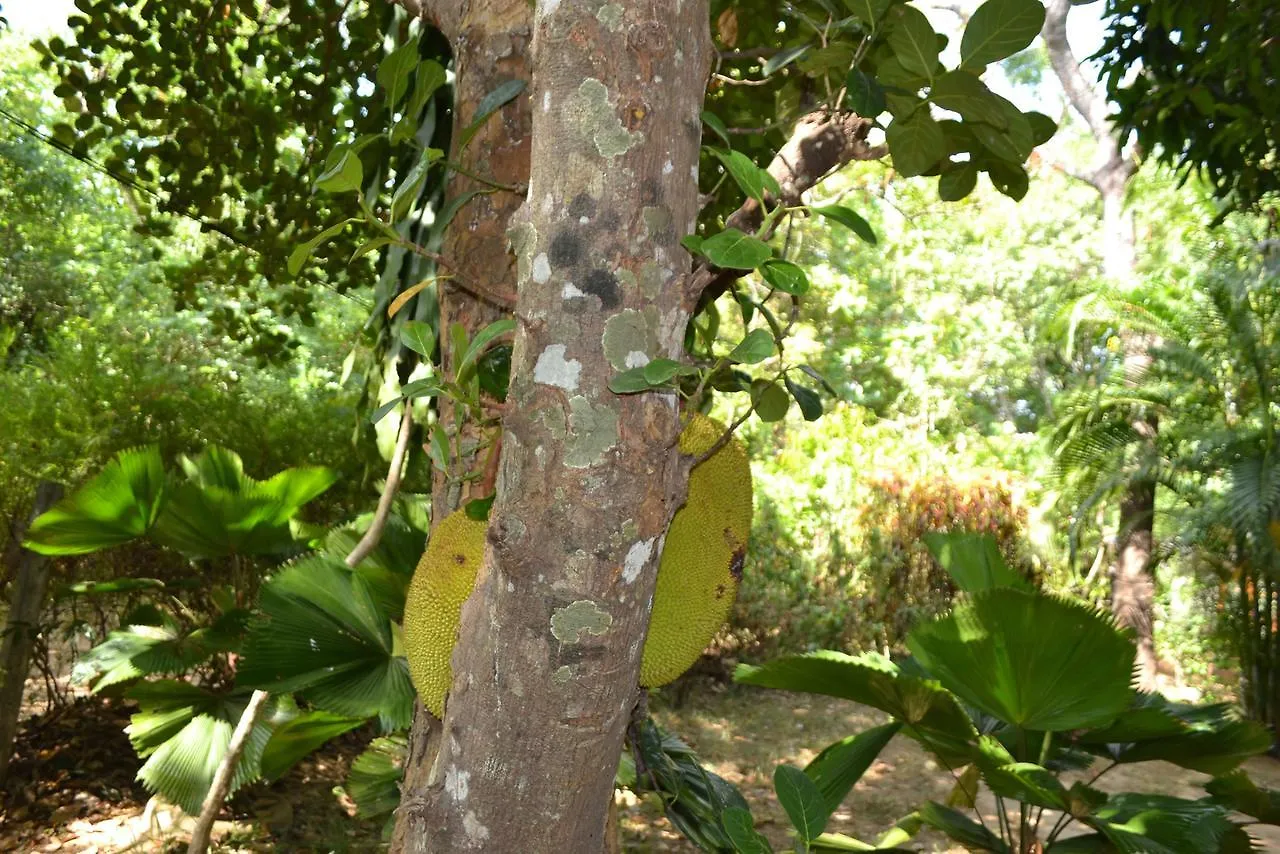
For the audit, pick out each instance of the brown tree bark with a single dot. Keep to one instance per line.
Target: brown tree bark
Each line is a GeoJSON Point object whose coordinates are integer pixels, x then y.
{"type": "Point", "coordinates": [548, 656]}
{"type": "Point", "coordinates": [1132, 580]}
{"type": "Point", "coordinates": [30, 572]}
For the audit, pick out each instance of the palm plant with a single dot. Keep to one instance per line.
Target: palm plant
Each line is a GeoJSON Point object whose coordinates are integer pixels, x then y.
{"type": "Point", "coordinates": [1010, 692]}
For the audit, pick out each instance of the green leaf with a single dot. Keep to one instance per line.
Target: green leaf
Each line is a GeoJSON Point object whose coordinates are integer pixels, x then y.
{"type": "Point", "coordinates": [394, 70]}
{"type": "Point", "coordinates": [961, 828]}
{"type": "Point", "coordinates": [782, 59]}
{"type": "Point", "coordinates": [841, 765]}
{"type": "Point", "coordinates": [345, 176]}
{"type": "Point", "coordinates": [757, 346]}
{"type": "Point", "coordinates": [451, 208]}
{"type": "Point", "coordinates": [660, 371]}
{"type": "Point", "coordinates": [933, 714]}
{"type": "Point", "coordinates": [419, 337]}
{"type": "Point", "coordinates": [864, 94]}
{"type": "Point", "coordinates": [731, 249]}
{"type": "Point", "coordinates": [849, 219]}
{"type": "Point", "coordinates": [713, 121]}
{"type": "Point", "coordinates": [963, 93]}
{"type": "Point", "coordinates": [374, 780]}
{"type": "Point", "coordinates": [490, 104]}
{"type": "Point", "coordinates": [770, 400]}
{"type": "Point", "coordinates": [913, 41]}
{"type": "Point", "coordinates": [1162, 824]}
{"type": "Point", "coordinates": [752, 180]}
{"type": "Point", "coordinates": [802, 800]}
{"type": "Point", "coordinates": [1236, 791]}
{"type": "Point", "coordinates": [1006, 651]}
{"type": "Point", "coordinates": [426, 387]}
{"type": "Point", "coordinates": [973, 561]}
{"type": "Point", "coordinates": [324, 635]}
{"type": "Point", "coordinates": [741, 830]}
{"type": "Point", "coordinates": [382, 411]}
{"type": "Point", "coordinates": [807, 399]}
{"type": "Point", "coordinates": [1042, 127]}
{"type": "Point", "coordinates": [368, 246]}
{"type": "Point", "coordinates": [916, 143]}
{"type": "Point", "coordinates": [430, 77]}
{"type": "Point", "coordinates": [118, 504]}
{"type": "Point", "coordinates": [482, 341]}
{"type": "Point", "coordinates": [693, 243]}
{"type": "Point", "coordinates": [629, 381]}
{"type": "Point", "coordinates": [999, 29]}
{"type": "Point", "coordinates": [956, 183]}
{"type": "Point", "coordinates": [1009, 179]}
{"type": "Point", "coordinates": [407, 193]}
{"type": "Point", "coordinates": [297, 738]}
{"type": "Point", "coordinates": [479, 508]}
{"type": "Point", "coordinates": [869, 12]}
{"type": "Point", "coordinates": [298, 257]}
{"type": "Point", "coordinates": [785, 276]}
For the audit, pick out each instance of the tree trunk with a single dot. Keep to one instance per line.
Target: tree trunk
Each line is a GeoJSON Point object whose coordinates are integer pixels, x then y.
{"type": "Point", "coordinates": [1133, 582]}
{"type": "Point", "coordinates": [490, 40]}
{"type": "Point", "coordinates": [30, 580]}
{"type": "Point", "coordinates": [549, 651]}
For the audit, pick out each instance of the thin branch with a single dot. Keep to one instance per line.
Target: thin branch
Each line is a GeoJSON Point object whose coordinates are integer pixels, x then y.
{"type": "Point", "coordinates": [200, 835]}
{"type": "Point", "coordinates": [380, 516]}
{"type": "Point", "coordinates": [1086, 101]}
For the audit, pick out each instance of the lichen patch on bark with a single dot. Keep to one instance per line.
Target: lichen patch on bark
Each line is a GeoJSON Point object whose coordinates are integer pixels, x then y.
{"type": "Point", "coordinates": [589, 112]}
{"type": "Point", "coordinates": [576, 621]}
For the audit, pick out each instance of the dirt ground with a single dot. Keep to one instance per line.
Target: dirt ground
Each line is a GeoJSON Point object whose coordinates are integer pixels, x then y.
{"type": "Point", "coordinates": [71, 785]}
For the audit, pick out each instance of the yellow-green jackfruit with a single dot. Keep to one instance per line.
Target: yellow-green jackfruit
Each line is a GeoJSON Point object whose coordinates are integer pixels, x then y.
{"type": "Point", "coordinates": [698, 575]}
{"type": "Point", "coordinates": [702, 557]}
{"type": "Point", "coordinates": [442, 582]}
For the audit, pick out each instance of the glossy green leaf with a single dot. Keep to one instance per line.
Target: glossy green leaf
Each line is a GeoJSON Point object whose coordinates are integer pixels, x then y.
{"type": "Point", "coordinates": [864, 94]}
{"type": "Point", "coordinates": [419, 337]}
{"type": "Point", "coordinates": [734, 250]}
{"type": "Point", "coordinates": [490, 104]}
{"type": "Point", "coordinates": [868, 12]}
{"type": "Point", "coordinates": [916, 143]}
{"type": "Point", "coordinates": [999, 29]}
{"type": "Point", "coordinates": [757, 346]}
{"type": "Point", "coordinates": [406, 194]}
{"type": "Point", "coordinates": [118, 504]}
{"type": "Point", "coordinates": [785, 276]}
{"type": "Point", "coordinates": [345, 176]}
{"type": "Point", "coordinates": [297, 738]}
{"type": "Point", "coordinates": [957, 182]}
{"type": "Point", "coordinates": [807, 399]}
{"type": "Point", "coordinates": [973, 561]}
{"type": "Point", "coordinates": [913, 40]}
{"type": "Point", "coordinates": [850, 219]}
{"type": "Point", "coordinates": [961, 828]}
{"type": "Point", "coordinates": [481, 342]}
{"type": "Point", "coordinates": [374, 780]}
{"type": "Point", "coordinates": [1237, 792]}
{"type": "Point", "coordinates": [802, 801]}
{"type": "Point", "coordinates": [963, 93]}
{"type": "Point", "coordinates": [741, 830]}
{"type": "Point", "coordinates": [298, 257]}
{"type": "Point", "coordinates": [717, 126]}
{"type": "Point", "coordinates": [770, 401]}
{"type": "Point", "coordinates": [841, 765]}
{"type": "Point", "coordinates": [1042, 127]}
{"type": "Point", "coordinates": [782, 59]}
{"type": "Point", "coordinates": [750, 178]}
{"type": "Point", "coordinates": [394, 70]}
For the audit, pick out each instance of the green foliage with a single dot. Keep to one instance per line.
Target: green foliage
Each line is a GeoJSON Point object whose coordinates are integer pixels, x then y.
{"type": "Point", "coordinates": [1041, 679]}
{"type": "Point", "coordinates": [1195, 83]}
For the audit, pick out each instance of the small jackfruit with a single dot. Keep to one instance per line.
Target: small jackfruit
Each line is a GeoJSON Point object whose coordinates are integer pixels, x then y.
{"type": "Point", "coordinates": [702, 557]}
{"type": "Point", "coordinates": [698, 575]}
{"type": "Point", "coordinates": [432, 608]}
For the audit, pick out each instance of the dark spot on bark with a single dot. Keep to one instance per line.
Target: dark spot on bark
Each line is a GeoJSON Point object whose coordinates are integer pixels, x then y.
{"type": "Point", "coordinates": [609, 221]}
{"type": "Point", "coordinates": [736, 564]}
{"type": "Point", "coordinates": [565, 250]}
{"type": "Point", "coordinates": [649, 39]}
{"type": "Point", "coordinates": [582, 205]}
{"type": "Point", "coordinates": [603, 284]}
{"type": "Point", "coordinates": [650, 191]}
{"type": "Point", "coordinates": [636, 115]}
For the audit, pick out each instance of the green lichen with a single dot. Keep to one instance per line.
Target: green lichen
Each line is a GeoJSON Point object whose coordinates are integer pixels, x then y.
{"type": "Point", "coordinates": [592, 117]}
{"type": "Point", "coordinates": [630, 338]}
{"type": "Point", "coordinates": [523, 237]}
{"type": "Point", "coordinates": [563, 675]}
{"type": "Point", "coordinates": [592, 431]}
{"type": "Point", "coordinates": [572, 623]}
{"type": "Point", "coordinates": [610, 15]}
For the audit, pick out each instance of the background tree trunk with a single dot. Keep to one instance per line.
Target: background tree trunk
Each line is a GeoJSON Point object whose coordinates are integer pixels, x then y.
{"type": "Point", "coordinates": [491, 45]}
{"type": "Point", "coordinates": [30, 574]}
{"type": "Point", "coordinates": [548, 657]}
{"type": "Point", "coordinates": [1132, 580]}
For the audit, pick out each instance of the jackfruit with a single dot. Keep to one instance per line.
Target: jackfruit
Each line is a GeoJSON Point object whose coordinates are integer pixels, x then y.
{"type": "Point", "coordinates": [432, 608]}
{"type": "Point", "coordinates": [698, 575]}
{"type": "Point", "coordinates": [701, 564]}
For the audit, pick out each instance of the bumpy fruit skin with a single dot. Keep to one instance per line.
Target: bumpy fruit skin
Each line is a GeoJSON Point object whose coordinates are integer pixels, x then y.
{"type": "Point", "coordinates": [702, 557]}
{"type": "Point", "coordinates": [441, 583]}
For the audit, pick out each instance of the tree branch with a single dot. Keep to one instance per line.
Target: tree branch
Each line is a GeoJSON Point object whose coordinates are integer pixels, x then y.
{"type": "Point", "coordinates": [200, 836]}
{"type": "Point", "coordinates": [369, 541]}
{"type": "Point", "coordinates": [821, 143]}
{"type": "Point", "coordinates": [1087, 102]}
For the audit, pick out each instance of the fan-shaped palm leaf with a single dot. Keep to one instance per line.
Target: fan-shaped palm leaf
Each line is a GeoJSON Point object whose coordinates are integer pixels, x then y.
{"type": "Point", "coordinates": [1035, 661]}
{"type": "Point", "coordinates": [119, 504]}
{"type": "Point", "coordinates": [374, 780]}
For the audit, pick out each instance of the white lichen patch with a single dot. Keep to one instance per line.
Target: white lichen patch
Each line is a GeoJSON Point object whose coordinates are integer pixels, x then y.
{"type": "Point", "coordinates": [457, 783]}
{"type": "Point", "coordinates": [572, 291]}
{"type": "Point", "coordinates": [637, 359]}
{"type": "Point", "coordinates": [476, 832]}
{"type": "Point", "coordinates": [637, 556]}
{"type": "Point", "coordinates": [554, 369]}
{"type": "Point", "coordinates": [577, 620]}
{"type": "Point", "coordinates": [547, 7]}
{"type": "Point", "coordinates": [546, 101]}
{"type": "Point", "coordinates": [668, 168]}
{"type": "Point", "coordinates": [541, 271]}
{"type": "Point", "coordinates": [589, 112]}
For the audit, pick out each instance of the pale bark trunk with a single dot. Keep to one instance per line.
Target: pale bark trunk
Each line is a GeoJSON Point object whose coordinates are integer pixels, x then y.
{"type": "Point", "coordinates": [30, 574]}
{"type": "Point", "coordinates": [491, 40]}
{"type": "Point", "coordinates": [202, 833]}
{"type": "Point", "coordinates": [548, 656]}
{"type": "Point", "coordinates": [1132, 581]}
